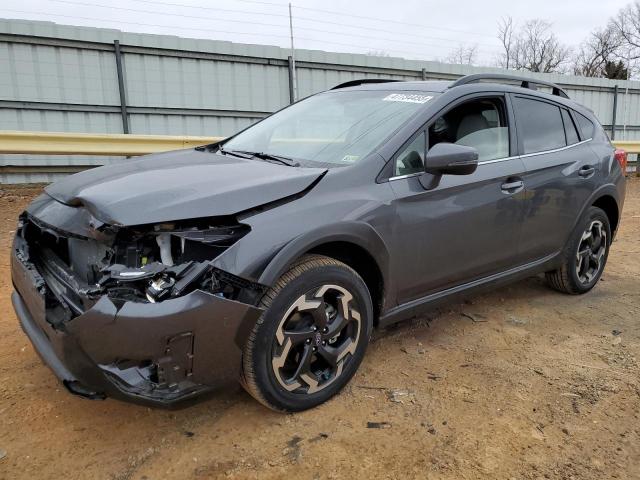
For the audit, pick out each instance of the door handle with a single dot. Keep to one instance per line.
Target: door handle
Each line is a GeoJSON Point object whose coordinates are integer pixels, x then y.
{"type": "Point", "coordinates": [586, 171]}
{"type": "Point", "coordinates": [512, 187]}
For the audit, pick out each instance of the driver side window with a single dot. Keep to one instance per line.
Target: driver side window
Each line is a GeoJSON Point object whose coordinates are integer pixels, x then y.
{"type": "Point", "coordinates": [481, 124]}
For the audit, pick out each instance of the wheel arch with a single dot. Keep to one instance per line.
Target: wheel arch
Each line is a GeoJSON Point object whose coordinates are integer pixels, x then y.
{"type": "Point", "coordinates": [362, 262]}
{"type": "Point", "coordinates": [607, 195]}
{"type": "Point", "coordinates": [610, 206]}
{"type": "Point", "coordinates": [355, 244]}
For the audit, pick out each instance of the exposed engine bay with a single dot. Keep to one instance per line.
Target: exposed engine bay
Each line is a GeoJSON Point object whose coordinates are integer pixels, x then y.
{"type": "Point", "coordinates": [146, 264]}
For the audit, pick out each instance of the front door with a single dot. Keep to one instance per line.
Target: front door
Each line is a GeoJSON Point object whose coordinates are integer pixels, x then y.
{"type": "Point", "coordinates": [468, 226]}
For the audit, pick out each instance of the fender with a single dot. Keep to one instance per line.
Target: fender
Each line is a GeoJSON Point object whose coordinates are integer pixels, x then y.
{"type": "Point", "coordinates": [358, 233]}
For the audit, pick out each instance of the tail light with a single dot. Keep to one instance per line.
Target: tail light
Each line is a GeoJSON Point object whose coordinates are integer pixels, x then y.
{"type": "Point", "coordinates": [621, 157]}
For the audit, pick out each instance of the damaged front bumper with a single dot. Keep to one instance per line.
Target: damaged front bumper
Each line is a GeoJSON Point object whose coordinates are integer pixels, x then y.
{"type": "Point", "coordinates": [152, 353]}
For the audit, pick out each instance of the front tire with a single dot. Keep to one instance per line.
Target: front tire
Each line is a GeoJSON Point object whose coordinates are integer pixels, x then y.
{"type": "Point", "coordinates": [311, 338]}
{"type": "Point", "coordinates": [585, 255]}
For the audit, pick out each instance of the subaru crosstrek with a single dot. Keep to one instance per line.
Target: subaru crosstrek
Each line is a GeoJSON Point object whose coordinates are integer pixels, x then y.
{"type": "Point", "coordinates": [270, 256]}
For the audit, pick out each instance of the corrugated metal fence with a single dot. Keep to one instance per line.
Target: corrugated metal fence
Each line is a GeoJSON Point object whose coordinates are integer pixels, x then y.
{"type": "Point", "coordinates": [79, 79]}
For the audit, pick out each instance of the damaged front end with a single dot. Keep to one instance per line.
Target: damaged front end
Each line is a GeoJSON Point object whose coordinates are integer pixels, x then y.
{"type": "Point", "coordinates": [137, 311]}
{"type": "Point", "coordinates": [152, 264]}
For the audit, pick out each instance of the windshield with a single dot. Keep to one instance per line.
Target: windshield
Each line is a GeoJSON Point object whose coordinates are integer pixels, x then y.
{"type": "Point", "coordinates": [333, 128]}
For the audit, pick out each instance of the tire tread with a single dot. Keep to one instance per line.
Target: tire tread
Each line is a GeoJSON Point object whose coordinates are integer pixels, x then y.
{"type": "Point", "coordinates": [300, 266]}
{"type": "Point", "coordinates": [560, 278]}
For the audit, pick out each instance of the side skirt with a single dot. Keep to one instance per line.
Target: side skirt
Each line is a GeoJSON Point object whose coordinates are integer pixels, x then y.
{"type": "Point", "coordinates": [420, 305]}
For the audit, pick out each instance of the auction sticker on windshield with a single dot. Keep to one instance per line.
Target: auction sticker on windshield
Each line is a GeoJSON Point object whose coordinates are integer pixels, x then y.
{"type": "Point", "coordinates": [410, 98]}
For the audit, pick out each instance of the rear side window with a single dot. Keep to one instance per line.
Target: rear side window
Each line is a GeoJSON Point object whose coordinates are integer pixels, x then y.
{"type": "Point", "coordinates": [539, 125]}
{"type": "Point", "coordinates": [585, 125]}
{"type": "Point", "coordinates": [569, 128]}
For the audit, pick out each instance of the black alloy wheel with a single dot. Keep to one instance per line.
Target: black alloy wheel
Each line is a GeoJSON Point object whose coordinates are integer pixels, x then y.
{"type": "Point", "coordinates": [312, 336]}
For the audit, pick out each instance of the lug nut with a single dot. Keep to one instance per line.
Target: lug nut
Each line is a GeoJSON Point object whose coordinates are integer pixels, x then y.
{"type": "Point", "coordinates": [324, 342]}
{"type": "Point", "coordinates": [325, 329]}
{"type": "Point", "coordinates": [308, 341]}
{"type": "Point", "coordinates": [315, 349]}
{"type": "Point", "coordinates": [314, 328]}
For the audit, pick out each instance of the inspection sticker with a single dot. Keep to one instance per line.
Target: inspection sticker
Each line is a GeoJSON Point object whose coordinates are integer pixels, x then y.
{"type": "Point", "coordinates": [350, 158]}
{"type": "Point", "coordinates": [407, 97]}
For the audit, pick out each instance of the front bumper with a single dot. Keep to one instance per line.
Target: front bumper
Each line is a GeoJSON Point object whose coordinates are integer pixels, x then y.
{"type": "Point", "coordinates": [152, 353]}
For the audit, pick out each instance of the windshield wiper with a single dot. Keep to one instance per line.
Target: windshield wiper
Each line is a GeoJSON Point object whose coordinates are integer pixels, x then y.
{"type": "Point", "coordinates": [261, 155]}
{"type": "Point", "coordinates": [270, 157]}
{"type": "Point", "coordinates": [235, 153]}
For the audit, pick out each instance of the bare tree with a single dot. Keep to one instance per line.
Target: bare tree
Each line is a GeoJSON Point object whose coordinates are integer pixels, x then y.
{"type": "Point", "coordinates": [598, 54]}
{"type": "Point", "coordinates": [627, 25]}
{"type": "Point", "coordinates": [533, 47]}
{"type": "Point", "coordinates": [505, 35]}
{"type": "Point", "coordinates": [463, 55]}
{"type": "Point", "coordinates": [378, 53]}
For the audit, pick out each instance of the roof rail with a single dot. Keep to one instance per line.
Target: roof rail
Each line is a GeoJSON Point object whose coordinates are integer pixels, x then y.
{"type": "Point", "coordinates": [524, 82]}
{"type": "Point", "coordinates": [362, 81]}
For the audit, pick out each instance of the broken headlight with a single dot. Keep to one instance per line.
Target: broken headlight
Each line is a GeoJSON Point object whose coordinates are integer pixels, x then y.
{"type": "Point", "coordinates": [177, 245]}
{"type": "Point", "coordinates": [167, 260]}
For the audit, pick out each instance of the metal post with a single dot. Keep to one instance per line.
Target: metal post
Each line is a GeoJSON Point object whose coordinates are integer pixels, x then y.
{"type": "Point", "coordinates": [121, 87]}
{"type": "Point", "coordinates": [292, 97]}
{"type": "Point", "coordinates": [424, 74]}
{"type": "Point", "coordinates": [626, 97]}
{"type": "Point", "coordinates": [294, 79]}
{"type": "Point", "coordinates": [615, 110]}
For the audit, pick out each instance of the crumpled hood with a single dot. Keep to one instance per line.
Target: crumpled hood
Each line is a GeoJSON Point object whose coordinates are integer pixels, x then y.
{"type": "Point", "coordinates": [179, 185]}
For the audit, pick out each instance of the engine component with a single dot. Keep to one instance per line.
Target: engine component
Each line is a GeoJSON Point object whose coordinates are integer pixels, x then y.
{"type": "Point", "coordinates": [121, 273]}
{"type": "Point", "coordinates": [159, 288]}
{"type": "Point", "coordinates": [164, 243]}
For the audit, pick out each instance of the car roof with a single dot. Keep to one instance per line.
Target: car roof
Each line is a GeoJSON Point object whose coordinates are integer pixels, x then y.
{"type": "Point", "coordinates": [441, 86]}
{"type": "Point", "coordinates": [473, 79]}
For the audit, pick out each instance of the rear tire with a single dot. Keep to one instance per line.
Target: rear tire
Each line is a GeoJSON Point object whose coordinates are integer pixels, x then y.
{"type": "Point", "coordinates": [311, 338]}
{"type": "Point", "coordinates": [585, 255]}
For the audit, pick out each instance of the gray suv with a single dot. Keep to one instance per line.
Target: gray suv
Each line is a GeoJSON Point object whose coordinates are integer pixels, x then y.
{"type": "Point", "coordinates": [270, 256]}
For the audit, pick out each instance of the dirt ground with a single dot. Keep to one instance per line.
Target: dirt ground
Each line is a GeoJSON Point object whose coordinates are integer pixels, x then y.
{"type": "Point", "coordinates": [522, 383]}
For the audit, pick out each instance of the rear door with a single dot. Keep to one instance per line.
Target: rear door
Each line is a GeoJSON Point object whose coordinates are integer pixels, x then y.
{"type": "Point", "coordinates": [467, 227]}
{"type": "Point", "coordinates": [561, 173]}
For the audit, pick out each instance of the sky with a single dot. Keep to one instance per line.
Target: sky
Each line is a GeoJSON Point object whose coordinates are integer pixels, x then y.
{"type": "Point", "coordinates": [426, 30]}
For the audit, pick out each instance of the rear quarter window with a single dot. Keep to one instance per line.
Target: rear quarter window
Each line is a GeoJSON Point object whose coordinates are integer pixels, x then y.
{"type": "Point", "coordinates": [585, 126]}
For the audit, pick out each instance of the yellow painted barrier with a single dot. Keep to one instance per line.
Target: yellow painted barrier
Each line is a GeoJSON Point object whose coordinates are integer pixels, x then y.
{"type": "Point", "coordinates": [628, 146]}
{"type": "Point", "coordinates": [63, 143]}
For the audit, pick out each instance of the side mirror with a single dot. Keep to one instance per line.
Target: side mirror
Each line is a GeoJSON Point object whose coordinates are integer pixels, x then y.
{"type": "Point", "coordinates": [451, 159]}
